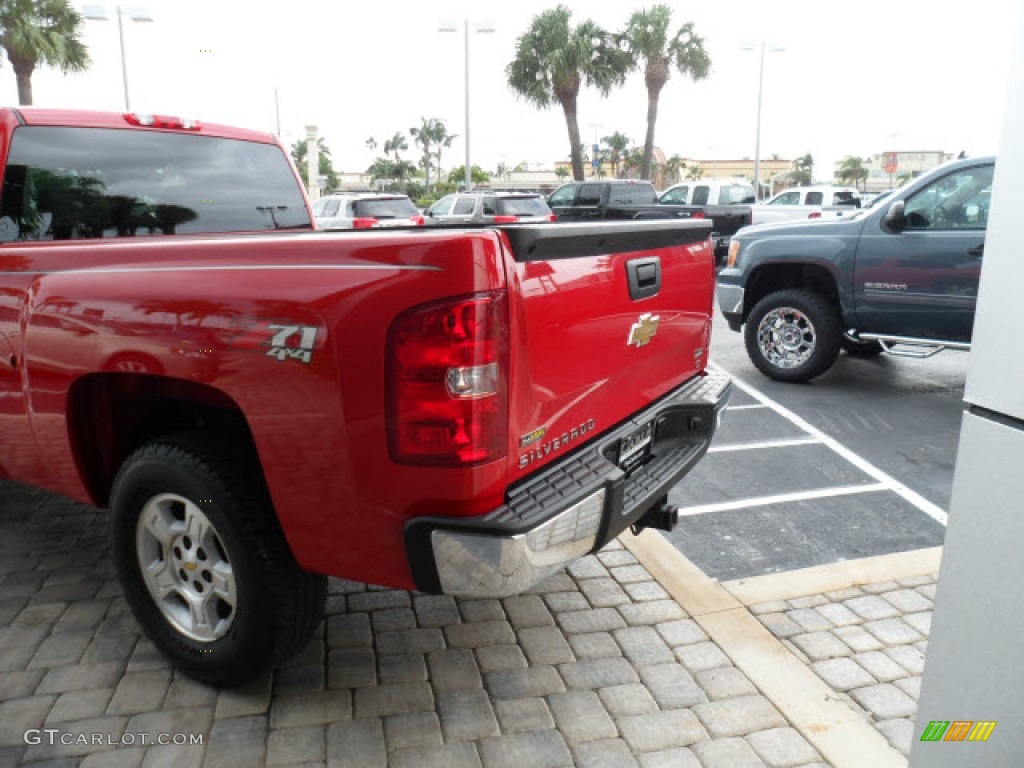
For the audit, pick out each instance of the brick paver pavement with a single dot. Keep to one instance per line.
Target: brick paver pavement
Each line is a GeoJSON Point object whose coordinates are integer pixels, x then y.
{"type": "Point", "coordinates": [867, 643]}
{"type": "Point", "coordinates": [596, 666]}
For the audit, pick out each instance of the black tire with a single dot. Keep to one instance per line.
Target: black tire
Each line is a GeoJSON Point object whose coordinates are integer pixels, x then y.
{"type": "Point", "coordinates": [277, 605]}
{"type": "Point", "coordinates": [861, 348]}
{"type": "Point", "coordinates": [812, 325]}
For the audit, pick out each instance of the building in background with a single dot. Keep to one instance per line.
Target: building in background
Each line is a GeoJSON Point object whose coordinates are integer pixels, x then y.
{"type": "Point", "coordinates": [889, 170]}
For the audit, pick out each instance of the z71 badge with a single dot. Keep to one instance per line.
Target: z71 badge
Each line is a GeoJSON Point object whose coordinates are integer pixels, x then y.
{"type": "Point", "coordinates": [285, 342]}
{"type": "Point", "coordinates": [280, 348]}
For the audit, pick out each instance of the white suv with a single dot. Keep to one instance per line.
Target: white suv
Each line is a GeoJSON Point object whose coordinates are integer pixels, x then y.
{"type": "Point", "coordinates": [364, 210]}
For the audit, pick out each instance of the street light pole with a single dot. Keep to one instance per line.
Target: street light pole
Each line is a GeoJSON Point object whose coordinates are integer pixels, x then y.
{"type": "Point", "coordinates": [465, 35]}
{"type": "Point", "coordinates": [124, 61]}
{"type": "Point", "coordinates": [99, 13]}
{"type": "Point", "coordinates": [480, 29]}
{"type": "Point", "coordinates": [760, 94]}
{"type": "Point", "coordinates": [757, 141]}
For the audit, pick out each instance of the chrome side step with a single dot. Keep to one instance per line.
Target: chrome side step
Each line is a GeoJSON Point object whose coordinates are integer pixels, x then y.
{"type": "Point", "coordinates": [909, 346]}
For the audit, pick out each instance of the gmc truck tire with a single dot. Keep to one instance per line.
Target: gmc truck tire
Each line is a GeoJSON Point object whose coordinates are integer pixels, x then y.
{"type": "Point", "coordinates": [793, 335]}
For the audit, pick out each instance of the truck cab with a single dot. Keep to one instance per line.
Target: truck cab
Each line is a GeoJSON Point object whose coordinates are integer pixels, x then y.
{"type": "Point", "coordinates": [901, 277]}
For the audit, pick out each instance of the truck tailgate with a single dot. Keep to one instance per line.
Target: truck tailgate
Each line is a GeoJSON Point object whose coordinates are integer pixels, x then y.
{"type": "Point", "coordinates": [605, 319]}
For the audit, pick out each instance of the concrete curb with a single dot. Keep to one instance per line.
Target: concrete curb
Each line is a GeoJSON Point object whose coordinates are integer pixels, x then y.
{"type": "Point", "coordinates": [835, 576]}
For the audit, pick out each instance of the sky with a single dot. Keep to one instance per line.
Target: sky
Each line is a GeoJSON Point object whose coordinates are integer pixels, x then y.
{"type": "Point", "coordinates": [857, 77]}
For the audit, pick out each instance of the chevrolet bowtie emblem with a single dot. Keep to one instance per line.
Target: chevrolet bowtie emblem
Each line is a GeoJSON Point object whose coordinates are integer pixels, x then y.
{"type": "Point", "coordinates": [642, 330]}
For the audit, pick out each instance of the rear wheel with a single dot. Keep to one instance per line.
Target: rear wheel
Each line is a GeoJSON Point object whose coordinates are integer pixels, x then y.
{"type": "Point", "coordinates": [792, 335]}
{"type": "Point", "coordinates": [204, 565]}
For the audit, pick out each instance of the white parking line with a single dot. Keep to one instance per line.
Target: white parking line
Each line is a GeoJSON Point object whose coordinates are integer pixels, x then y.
{"type": "Point", "coordinates": [764, 444]}
{"type": "Point", "coordinates": [782, 498]}
{"type": "Point", "coordinates": [747, 407]}
{"type": "Point", "coordinates": [932, 510]}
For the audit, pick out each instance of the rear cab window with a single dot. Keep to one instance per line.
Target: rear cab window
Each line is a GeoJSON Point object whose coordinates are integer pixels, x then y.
{"type": "Point", "coordinates": [814, 198]}
{"type": "Point", "coordinates": [701, 195]}
{"type": "Point", "coordinates": [385, 208]}
{"type": "Point", "coordinates": [631, 194]}
{"type": "Point", "coordinates": [64, 183]}
{"type": "Point", "coordinates": [736, 194]}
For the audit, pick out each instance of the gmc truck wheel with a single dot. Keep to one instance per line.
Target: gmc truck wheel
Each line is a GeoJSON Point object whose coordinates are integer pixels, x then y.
{"type": "Point", "coordinates": [204, 565]}
{"type": "Point", "coordinates": [792, 335]}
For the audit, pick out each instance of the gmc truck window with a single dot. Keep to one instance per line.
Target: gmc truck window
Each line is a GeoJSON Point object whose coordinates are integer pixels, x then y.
{"type": "Point", "coordinates": [83, 183]}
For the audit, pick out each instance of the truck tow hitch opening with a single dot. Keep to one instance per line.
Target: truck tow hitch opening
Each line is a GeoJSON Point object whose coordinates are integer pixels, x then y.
{"type": "Point", "coordinates": [663, 516]}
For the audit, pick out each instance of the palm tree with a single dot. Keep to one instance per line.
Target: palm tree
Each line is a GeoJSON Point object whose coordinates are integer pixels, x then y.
{"type": "Point", "coordinates": [34, 32]}
{"type": "Point", "coordinates": [617, 143]}
{"type": "Point", "coordinates": [424, 136]}
{"type": "Point", "coordinates": [443, 140]}
{"type": "Point", "coordinates": [553, 59]}
{"type": "Point", "coordinates": [694, 172]}
{"type": "Point", "coordinates": [803, 171]}
{"type": "Point", "coordinates": [650, 46]}
{"type": "Point", "coordinates": [326, 165]}
{"type": "Point", "coordinates": [382, 168]}
{"type": "Point", "coordinates": [561, 172]}
{"type": "Point", "coordinates": [396, 144]}
{"type": "Point", "coordinates": [673, 167]}
{"type": "Point", "coordinates": [371, 143]}
{"type": "Point", "coordinates": [403, 168]}
{"type": "Point", "coordinates": [632, 159]}
{"type": "Point", "coordinates": [477, 175]}
{"type": "Point", "coordinates": [853, 170]}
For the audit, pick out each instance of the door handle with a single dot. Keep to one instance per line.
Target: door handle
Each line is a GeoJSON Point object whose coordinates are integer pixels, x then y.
{"type": "Point", "coordinates": [977, 251]}
{"type": "Point", "coordinates": [644, 277]}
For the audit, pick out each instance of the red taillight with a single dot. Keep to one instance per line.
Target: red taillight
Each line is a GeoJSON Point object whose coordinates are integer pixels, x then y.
{"type": "Point", "coordinates": [417, 220]}
{"type": "Point", "coordinates": [364, 222]}
{"type": "Point", "coordinates": [447, 382]}
{"type": "Point", "coordinates": [161, 121]}
{"type": "Point", "coordinates": [505, 219]}
{"type": "Point", "coordinates": [814, 215]}
{"type": "Point", "coordinates": [697, 215]}
{"type": "Point", "coordinates": [552, 217]}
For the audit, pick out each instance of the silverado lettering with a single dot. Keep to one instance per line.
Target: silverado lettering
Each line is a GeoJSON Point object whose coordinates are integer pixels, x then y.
{"type": "Point", "coordinates": [559, 442]}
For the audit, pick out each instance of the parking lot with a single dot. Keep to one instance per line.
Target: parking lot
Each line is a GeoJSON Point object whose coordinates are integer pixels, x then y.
{"type": "Point", "coordinates": [856, 464]}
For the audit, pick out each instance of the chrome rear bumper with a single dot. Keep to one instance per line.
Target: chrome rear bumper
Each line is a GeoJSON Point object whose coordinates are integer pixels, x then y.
{"type": "Point", "coordinates": [569, 508]}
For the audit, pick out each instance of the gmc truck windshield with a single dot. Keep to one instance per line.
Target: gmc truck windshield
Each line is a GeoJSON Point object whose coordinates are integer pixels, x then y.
{"type": "Point", "coordinates": [81, 183]}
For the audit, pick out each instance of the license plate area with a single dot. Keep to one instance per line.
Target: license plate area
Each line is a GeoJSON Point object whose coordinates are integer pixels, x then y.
{"type": "Point", "coordinates": [635, 448]}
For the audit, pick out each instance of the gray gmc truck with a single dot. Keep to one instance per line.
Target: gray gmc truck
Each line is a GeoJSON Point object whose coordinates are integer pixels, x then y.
{"type": "Point", "coordinates": [901, 277]}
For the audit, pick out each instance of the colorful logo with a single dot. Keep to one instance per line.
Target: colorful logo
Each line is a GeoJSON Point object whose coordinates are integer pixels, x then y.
{"type": "Point", "coordinates": [958, 730]}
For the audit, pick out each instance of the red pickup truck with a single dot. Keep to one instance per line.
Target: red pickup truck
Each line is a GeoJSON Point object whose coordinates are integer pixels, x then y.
{"type": "Point", "coordinates": [455, 411]}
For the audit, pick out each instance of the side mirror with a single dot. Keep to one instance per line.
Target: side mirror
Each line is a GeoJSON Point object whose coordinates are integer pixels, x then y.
{"type": "Point", "coordinates": [896, 217]}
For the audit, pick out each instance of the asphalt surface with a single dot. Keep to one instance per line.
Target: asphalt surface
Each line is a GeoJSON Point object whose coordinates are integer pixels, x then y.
{"type": "Point", "coordinates": [857, 463]}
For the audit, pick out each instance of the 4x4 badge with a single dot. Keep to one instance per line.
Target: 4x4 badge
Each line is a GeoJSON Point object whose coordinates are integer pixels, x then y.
{"type": "Point", "coordinates": [642, 330]}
